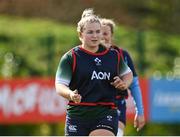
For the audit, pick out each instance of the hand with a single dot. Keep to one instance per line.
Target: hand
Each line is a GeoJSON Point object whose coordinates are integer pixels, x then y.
{"type": "Point", "coordinates": [139, 122]}
{"type": "Point", "coordinates": [119, 83]}
{"type": "Point", "coordinates": [75, 97]}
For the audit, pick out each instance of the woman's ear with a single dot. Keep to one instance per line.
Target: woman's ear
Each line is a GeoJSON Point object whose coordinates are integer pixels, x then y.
{"type": "Point", "coordinates": [80, 35]}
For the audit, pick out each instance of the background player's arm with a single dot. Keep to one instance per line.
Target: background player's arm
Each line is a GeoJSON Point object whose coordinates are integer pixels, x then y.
{"type": "Point", "coordinates": [139, 120]}
{"type": "Point", "coordinates": [134, 87]}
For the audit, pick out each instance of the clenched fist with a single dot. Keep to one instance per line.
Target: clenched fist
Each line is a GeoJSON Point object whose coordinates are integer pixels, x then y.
{"type": "Point", "coordinates": [75, 97]}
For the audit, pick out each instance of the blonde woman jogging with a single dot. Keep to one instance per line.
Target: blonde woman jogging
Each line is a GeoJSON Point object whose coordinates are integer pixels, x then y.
{"type": "Point", "coordinates": [90, 76]}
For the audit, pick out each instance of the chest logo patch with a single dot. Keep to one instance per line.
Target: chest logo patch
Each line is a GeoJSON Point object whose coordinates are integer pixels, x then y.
{"type": "Point", "coordinates": [100, 75]}
{"type": "Point", "coordinates": [97, 61]}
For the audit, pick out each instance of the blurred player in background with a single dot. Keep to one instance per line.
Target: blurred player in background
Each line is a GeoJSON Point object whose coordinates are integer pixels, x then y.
{"type": "Point", "coordinates": [139, 120]}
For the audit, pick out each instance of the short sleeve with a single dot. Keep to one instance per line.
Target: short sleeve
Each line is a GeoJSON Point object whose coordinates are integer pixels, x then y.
{"type": "Point", "coordinates": [64, 71]}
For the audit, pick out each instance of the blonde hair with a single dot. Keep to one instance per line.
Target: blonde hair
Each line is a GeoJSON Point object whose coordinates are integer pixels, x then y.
{"type": "Point", "coordinates": [87, 16]}
{"type": "Point", "coordinates": [108, 22]}
{"type": "Point", "coordinates": [87, 12]}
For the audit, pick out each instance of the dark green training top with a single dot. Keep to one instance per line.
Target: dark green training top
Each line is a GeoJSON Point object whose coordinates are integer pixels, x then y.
{"type": "Point", "coordinates": [91, 74]}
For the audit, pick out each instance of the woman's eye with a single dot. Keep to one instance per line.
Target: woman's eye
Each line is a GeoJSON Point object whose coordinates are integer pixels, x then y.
{"type": "Point", "coordinates": [89, 32]}
{"type": "Point", "coordinates": [98, 31]}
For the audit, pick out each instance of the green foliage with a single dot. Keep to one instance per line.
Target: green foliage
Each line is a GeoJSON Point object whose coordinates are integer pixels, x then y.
{"type": "Point", "coordinates": [151, 51]}
{"type": "Point", "coordinates": [26, 41]}
{"type": "Point", "coordinates": [34, 47]}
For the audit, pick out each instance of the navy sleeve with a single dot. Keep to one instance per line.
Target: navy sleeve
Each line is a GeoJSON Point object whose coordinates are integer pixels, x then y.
{"type": "Point", "coordinates": [129, 62]}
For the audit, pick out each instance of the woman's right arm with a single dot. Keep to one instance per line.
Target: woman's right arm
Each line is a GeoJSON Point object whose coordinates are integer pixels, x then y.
{"type": "Point", "coordinates": [63, 78]}
{"type": "Point", "coordinates": [65, 92]}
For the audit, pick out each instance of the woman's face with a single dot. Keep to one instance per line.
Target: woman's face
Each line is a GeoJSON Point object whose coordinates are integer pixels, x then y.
{"type": "Point", "coordinates": [91, 35]}
{"type": "Point", "coordinates": [106, 35]}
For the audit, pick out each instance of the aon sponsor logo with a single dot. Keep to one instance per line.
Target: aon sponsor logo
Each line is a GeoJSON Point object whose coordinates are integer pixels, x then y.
{"type": "Point", "coordinates": [100, 75]}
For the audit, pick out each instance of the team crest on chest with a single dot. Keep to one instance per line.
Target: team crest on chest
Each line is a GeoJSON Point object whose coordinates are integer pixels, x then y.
{"type": "Point", "coordinates": [97, 61]}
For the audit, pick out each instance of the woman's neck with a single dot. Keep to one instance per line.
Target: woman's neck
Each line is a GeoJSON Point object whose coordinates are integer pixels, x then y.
{"type": "Point", "coordinates": [92, 49]}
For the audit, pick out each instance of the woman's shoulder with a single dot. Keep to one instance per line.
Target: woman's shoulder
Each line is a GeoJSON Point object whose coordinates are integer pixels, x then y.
{"type": "Point", "coordinates": [70, 51]}
{"type": "Point", "coordinates": [69, 54]}
{"type": "Point", "coordinates": [120, 49]}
